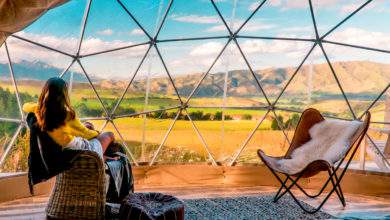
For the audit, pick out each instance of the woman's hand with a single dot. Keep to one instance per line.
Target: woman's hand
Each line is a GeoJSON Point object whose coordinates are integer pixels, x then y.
{"type": "Point", "coordinates": [89, 125]}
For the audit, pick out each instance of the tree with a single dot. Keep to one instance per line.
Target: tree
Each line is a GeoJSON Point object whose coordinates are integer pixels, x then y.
{"type": "Point", "coordinates": [274, 124]}
{"type": "Point", "coordinates": [292, 122]}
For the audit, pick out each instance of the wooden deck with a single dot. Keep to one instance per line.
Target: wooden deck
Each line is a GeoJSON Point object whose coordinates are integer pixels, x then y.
{"type": "Point", "coordinates": [358, 206]}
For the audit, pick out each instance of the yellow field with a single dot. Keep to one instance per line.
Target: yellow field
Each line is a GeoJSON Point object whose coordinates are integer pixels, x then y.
{"type": "Point", "coordinates": [223, 144]}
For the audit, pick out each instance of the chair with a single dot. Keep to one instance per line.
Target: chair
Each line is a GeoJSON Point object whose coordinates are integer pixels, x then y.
{"type": "Point", "coordinates": [79, 193]}
{"type": "Point", "coordinates": [308, 119]}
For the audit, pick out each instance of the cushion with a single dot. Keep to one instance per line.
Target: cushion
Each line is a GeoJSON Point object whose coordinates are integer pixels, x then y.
{"type": "Point", "coordinates": [329, 141]}
{"type": "Point", "coordinates": [151, 206]}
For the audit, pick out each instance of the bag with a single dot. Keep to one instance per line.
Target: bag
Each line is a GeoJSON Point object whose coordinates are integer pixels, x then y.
{"type": "Point", "coordinates": [121, 181]}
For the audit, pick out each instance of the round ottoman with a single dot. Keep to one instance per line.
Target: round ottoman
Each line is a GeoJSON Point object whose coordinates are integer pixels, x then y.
{"type": "Point", "coordinates": [151, 206]}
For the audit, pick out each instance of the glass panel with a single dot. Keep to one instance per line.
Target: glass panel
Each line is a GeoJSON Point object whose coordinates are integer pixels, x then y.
{"type": "Point", "coordinates": [274, 61]}
{"type": "Point", "coordinates": [150, 90]}
{"type": "Point", "coordinates": [83, 98]}
{"type": "Point", "coordinates": [7, 130]}
{"type": "Point", "coordinates": [201, 21]}
{"type": "Point", "coordinates": [329, 13]}
{"type": "Point", "coordinates": [59, 27]}
{"type": "Point", "coordinates": [104, 34]}
{"type": "Point", "coordinates": [363, 74]}
{"type": "Point", "coordinates": [269, 136]}
{"type": "Point", "coordinates": [229, 83]}
{"type": "Point", "coordinates": [225, 132]}
{"type": "Point", "coordinates": [236, 12]}
{"type": "Point", "coordinates": [315, 86]}
{"type": "Point", "coordinates": [111, 72]}
{"type": "Point", "coordinates": [369, 27]}
{"type": "Point", "coordinates": [144, 133]}
{"type": "Point", "coordinates": [33, 66]}
{"type": "Point", "coordinates": [17, 159]}
{"type": "Point", "coordinates": [182, 145]}
{"type": "Point", "coordinates": [281, 19]}
{"type": "Point", "coordinates": [187, 61]}
{"type": "Point", "coordinates": [8, 103]}
{"type": "Point", "coordinates": [147, 13]}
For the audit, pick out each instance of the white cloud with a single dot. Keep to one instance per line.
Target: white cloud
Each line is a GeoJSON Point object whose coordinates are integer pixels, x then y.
{"type": "Point", "coordinates": [297, 4]}
{"type": "Point", "coordinates": [249, 27]}
{"type": "Point", "coordinates": [362, 37]}
{"type": "Point", "coordinates": [198, 19]}
{"type": "Point", "coordinates": [207, 49]}
{"type": "Point", "coordinates": [106, 32]}
{"type": "Point", "coordinates": [253, 6]}
{"type": "Point", "coordinates": [137, 31]}
{"type": "Point", "coordinates": [21, 50]}
{"type": "Point", "coordinates": [274, 46]}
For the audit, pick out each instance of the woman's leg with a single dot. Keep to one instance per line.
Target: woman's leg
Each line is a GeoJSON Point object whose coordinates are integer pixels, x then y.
{"type": "Point", "coordinates": [105, 139]}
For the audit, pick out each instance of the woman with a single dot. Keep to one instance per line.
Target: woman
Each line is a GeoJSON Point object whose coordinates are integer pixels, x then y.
{"type": "Point", "coordinates": [56, 117]}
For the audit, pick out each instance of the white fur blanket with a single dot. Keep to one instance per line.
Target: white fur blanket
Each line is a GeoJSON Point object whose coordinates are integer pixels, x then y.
{"type": "Point", "coordinates": [330, 139]}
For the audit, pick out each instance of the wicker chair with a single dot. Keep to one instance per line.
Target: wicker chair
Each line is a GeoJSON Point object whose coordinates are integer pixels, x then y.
{"type": "Point", "coordinates": [79, 193]}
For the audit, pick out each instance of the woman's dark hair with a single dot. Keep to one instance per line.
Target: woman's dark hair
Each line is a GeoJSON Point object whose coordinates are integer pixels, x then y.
{"type": "Point", "coordinates": [54, 105]}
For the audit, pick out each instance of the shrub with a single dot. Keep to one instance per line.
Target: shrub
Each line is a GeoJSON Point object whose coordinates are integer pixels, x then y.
{"type": "Point", "coordinates": [207, 117]}
{"type": "Point", "coordinates": [292, 122]}
{"type": "Point", "coordinates": [246, 117]}
{"type": "Point", "coordinates": [197, 115]}
{"type": "Point", "coordinates": [274, 124]}
{"type": "Point", "coordinates": [124, 110]}
{"type": "Point", "coordinates": [218, 116]}
{"type": "Point", "coordinates": [84, 110]}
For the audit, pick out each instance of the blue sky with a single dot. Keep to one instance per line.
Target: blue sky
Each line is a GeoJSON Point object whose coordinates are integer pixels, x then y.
{"type": "Point", "coordinates": [109, 27]}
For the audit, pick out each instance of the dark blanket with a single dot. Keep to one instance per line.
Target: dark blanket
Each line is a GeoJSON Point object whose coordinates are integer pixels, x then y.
{"type": "Point", "coordinates": [46, 158]}
{"type": "Point", "coordinates": [121, 178]}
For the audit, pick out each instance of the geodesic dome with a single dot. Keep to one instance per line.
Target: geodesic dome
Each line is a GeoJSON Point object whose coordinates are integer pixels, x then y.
{"type": "Point", "coordinates": [200, 81]}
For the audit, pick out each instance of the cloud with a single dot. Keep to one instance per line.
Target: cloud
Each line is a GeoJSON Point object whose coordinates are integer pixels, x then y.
{"type": "Point", "coordinates": [362, 37]}
{"type": "Point", "coordinates": [207, 49]}
{"type": "Point", "coordinates": [249, 27]}
{"type": "Point", "coordinates": [297, 4]}
{"type": "Point", "coordinates": [21, 50]}
{"type": "Point", "coordinates": [106, 32]}
{"type": "Point", "coordinates": [137, 31]}
{"type": "Point", "coordinates": [274, 46]}
{"type": "Point", "coordinates": [273, 3]}
{"type": "Point", "coordinates": [197, 19]}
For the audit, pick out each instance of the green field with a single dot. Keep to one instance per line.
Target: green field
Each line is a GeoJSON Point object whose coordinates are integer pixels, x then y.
{"type": "Point", "coordinates": [143, 134]}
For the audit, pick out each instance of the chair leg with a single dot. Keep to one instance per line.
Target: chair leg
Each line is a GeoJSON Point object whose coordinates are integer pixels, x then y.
{"type": "Point", "coordinates": [276, 197]}
{"type": "Point", "coordinates": [338, 190]}
{"type": "Point", "coordinates": [307, 194]}
{"type": "Point", "coordinates": [294, 182]}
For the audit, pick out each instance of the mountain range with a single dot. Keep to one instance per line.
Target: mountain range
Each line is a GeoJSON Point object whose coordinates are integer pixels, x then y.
{"type": "Point", "coordinates": [25, 70]}
{"type": "Point", "coordinates": [356, 77]}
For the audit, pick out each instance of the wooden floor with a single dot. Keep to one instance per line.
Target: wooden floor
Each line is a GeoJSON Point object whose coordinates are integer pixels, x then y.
{"type": "Point", "coordinates": [363, 207]}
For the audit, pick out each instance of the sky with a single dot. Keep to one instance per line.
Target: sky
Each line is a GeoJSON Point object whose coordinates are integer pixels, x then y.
{"type": "Point", "coordinates": [109, 26]}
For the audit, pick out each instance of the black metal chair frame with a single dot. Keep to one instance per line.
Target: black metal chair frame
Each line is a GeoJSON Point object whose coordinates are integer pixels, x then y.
{"type": "Point", "coordinates": [333, 178]}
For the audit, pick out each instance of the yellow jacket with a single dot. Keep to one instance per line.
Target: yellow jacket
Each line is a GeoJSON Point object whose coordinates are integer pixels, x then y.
{"type": "Point", "coordinates": [65, 134]}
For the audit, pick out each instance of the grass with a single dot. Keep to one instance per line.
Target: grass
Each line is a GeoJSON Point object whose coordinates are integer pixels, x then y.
{"type": "Point", "coordinates": [224, 139]}
{"type": "Point", "coordinates": [223, 143]}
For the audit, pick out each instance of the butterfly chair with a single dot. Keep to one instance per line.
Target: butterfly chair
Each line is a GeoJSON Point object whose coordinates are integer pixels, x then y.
{"type": "Point", "coordinates": [309, 118]}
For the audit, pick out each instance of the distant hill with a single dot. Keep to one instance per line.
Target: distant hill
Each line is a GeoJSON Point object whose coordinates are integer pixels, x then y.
{"type": "Point", "coordinates": [357, 77]}
{"type": "Point", "coordinates": [26, 70]}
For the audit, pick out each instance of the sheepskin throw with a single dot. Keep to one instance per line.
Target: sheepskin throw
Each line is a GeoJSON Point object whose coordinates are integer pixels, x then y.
{"type": "Point", "coordinates": [330, 140]}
